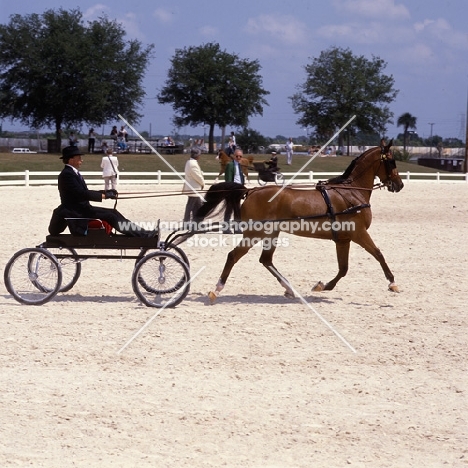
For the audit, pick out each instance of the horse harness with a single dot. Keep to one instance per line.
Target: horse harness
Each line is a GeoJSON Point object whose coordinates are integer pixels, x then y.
{"type": "Point", "coordinates": [331, 212]}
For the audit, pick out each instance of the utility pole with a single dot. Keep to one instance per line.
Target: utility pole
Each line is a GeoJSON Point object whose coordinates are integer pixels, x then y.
{"type": "Point", "coordinates": [430, 151]}
{"type": "Point", "coordinates": [466, 139]}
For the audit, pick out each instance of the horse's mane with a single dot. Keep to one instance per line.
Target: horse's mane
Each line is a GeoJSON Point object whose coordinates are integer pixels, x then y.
{"type": "Point", "coordinates": [344, 178]}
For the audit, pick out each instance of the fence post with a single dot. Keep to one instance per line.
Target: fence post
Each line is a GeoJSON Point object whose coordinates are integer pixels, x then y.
{"type": "Point", "coordinates": [466, 176]}
{"type": "Point", "coordinates": [26, 178]}
{"type": "Point", "coordinates": [311, 176]}
{"type": "Point", "coordinates": [159, 177]}
{"type": "Point", "coordinates": [407, 175]}
{"type": "Point", "coordinates": [438, 176]}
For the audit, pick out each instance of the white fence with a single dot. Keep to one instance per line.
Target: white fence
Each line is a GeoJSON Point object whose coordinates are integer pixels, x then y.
{"type": "Point", "coordinates": [28, 178]}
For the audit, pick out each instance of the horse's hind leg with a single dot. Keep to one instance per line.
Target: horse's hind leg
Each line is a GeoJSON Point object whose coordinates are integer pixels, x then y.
{"type": "Point", "coordinates": [342, 254]}
{"type": "Point", "coordinates": [366, 242]}
{"type": "Point", "coordinates": [266, 259]}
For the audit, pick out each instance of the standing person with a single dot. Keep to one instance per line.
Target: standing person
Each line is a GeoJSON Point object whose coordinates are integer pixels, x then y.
{"type": "Point", "coordinates": [233, 173]}
{"type": "Point", "coordinates": [109, 165]}
{"type": "Point", "coordinates": [232, 144]}
{"type": "Point", "coordinates": [289, 151]}
{"type": "Point", "coordinates": [75, 197]}
{"type": "Point", "coordinates": [72, 140]}
{"type": "Point", "coordinates": [123, 133]}
{"type": "Point", "coordinates": [91, 140]}
{"type": "Point", "coordinates": [194, 181]}
{"type": "Point", "coordinates": [114, 133]}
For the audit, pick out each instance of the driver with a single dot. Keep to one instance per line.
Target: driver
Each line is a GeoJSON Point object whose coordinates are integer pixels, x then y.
{"type": "Point", "coordinates": [272, 163]}
{"type": "Point", "coordinates": [75, 198]}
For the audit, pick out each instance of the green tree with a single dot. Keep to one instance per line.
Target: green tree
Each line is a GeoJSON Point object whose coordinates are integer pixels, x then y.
{"type": "Point", "coordinates": [406, 121]}
{"type": "Point", "coordinates": [55, 71]}
{"type": "Point", "coordinates": [208, 86]}
{"type": "Point", "coordinates": [339, 85]}
{"type": "Point", "coordinates": [250, 140]}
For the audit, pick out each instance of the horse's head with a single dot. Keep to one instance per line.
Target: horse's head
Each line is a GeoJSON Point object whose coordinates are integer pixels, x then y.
{"type": "Point", "coordinates": [388, 172]}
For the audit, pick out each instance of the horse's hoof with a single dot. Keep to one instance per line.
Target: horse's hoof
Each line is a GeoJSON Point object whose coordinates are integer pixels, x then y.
{"type": "Point", "coordinates": [212, 296]}
{"type": "Point", "coordinates": [393, 287]}
{"type": "Point", "coordinates": [289, 295]}
{"type": "Point", "coordinates": [319, 287]}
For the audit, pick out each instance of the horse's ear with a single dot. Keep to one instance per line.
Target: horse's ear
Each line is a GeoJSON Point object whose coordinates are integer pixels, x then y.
{"type": "Point", "coordinates": [387, 148]}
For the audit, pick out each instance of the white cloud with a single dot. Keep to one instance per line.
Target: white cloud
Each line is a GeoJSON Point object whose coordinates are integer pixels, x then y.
{"type": "Point", "coordinates": [95, 11]}
{"type": "Point", "coordinates": [441, 30]}
{"type": "Point", "coordinates": [209, 31]}
{"type": "Point", "coordinates": [384, 9]}
{"type": "Point", "coordinates": [285, 29]}
{"type": "Point", "coordinates": [130, 24]}
{"type": "Point", "coordinates": [417, 54]}
{"type": "Point", "coordinates": [163, 15]}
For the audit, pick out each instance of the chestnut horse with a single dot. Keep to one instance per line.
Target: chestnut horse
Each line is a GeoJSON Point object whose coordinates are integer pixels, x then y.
{"type": "Point", "coordinates": [224, 159]}
{"type": "Point", "coordinates": [337, 209]}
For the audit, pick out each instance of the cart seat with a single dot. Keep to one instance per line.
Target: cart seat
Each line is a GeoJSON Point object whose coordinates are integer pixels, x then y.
{"type": "Point", "coordinates": [99, 224]}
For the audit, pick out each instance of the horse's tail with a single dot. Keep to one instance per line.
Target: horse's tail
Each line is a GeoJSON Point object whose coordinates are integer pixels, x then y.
{"type": "Point", "coordinates": [229, 192]}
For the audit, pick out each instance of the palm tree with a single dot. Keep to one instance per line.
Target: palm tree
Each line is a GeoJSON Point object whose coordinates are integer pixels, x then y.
{"type": "Point", "coordinates": [407, 121]}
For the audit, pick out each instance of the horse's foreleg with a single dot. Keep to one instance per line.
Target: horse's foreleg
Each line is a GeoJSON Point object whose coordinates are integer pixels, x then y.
{"type": "Point", "coordinates": [366, 242]}
{"type": "Point", "coordinates": [233, 257]}
{"type": "Point", "coordinates": [266, 259]}
{"type": "Point", "coordinates": [342, 254]}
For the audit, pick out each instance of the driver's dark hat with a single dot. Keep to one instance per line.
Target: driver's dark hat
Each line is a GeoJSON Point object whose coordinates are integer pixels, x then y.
{"type": "Point", "coordinates": [70, 151]}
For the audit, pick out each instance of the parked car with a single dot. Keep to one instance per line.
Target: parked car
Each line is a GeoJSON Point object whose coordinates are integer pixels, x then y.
{"type": "Point", "coordinates": [23, 150]}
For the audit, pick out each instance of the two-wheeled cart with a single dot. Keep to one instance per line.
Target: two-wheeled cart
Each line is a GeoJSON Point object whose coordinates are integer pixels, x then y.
{"type": "Point", "coordinates": [266, 175]}
{"type": "Point", "coordinates": [160, 278]}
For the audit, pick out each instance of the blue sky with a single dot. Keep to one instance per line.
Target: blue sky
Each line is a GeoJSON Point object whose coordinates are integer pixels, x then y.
{"type": "Point", "coordinates": [424, 42]}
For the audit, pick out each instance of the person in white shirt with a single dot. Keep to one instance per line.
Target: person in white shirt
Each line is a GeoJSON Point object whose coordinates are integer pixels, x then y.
{"type": "Point", "coordinates": [109, 165]}
{"type": "Point", "coordinates": [194, 182]}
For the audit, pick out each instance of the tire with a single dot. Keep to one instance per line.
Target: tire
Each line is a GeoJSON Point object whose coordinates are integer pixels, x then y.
{"type": "Point", "coordinates": [176, 249]}
{"type": "Point", "coordinates": [70, 264]}
{"type": "Point", "coordinates": [33, 276]}
{"type": "Point", "coordinates": [279, 178]}
{"type": "Point", "coordinates": [161, 279]}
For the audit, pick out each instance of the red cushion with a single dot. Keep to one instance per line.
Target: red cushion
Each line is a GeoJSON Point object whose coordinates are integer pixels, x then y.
{"type": "Point", "coordinates": [99, 224]}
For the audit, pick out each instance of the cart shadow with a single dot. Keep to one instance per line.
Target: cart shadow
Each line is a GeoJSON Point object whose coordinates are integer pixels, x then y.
{"type": "Point", "coordinates": [100, 298]}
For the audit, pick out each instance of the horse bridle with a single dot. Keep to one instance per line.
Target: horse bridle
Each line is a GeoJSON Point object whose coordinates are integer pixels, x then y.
{"type": "Point", "coordinates": [390, 165]}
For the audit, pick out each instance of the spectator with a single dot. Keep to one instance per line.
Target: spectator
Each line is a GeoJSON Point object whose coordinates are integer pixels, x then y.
{"type": "Point", "coordinates": [194, 181]}
{"type": "Point", "coordinates": [91, 140]}
{"type": "Point", "coordinates": [123, 133]}
{"type": "Point", "coordinates": [232, 144]}
{"type": "Point", "coordinates": [109, 165]}
{"type": "Point", "coordinates": [114, 133]}
{"type": "Point", "coordinates": [289, 151]}
{"type": "Point", "coordinates": [72, 140]}
{"type": "Point", "coordinates": [104, 147]}
{"type": "Point", "coordinates": [233, 173]}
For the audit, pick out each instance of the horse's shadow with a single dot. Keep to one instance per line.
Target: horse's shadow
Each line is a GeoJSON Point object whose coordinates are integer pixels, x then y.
{"type": "Point", "coordinates": [258, 299]}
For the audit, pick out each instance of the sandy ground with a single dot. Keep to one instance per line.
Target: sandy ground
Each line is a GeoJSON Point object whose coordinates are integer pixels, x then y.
{"type": "Point", "coordinates": [256, 380]}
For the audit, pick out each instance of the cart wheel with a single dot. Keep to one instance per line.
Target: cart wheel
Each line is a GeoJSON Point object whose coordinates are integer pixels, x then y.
{"type": "Point", "coordinates": [261, 181]}
{"type": "Point", "coordinates": [70, 265]}
{"type": "Point", "coordinates": [174, 248]}
{"type": "Point", "coordinates": [33, 276]}
{"type": "Point", "coordinates": [161, 279]}
{"type": "Point", "coordinates": [279, 178]}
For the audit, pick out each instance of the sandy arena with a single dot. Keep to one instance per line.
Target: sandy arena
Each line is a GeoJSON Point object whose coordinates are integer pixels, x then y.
{"type": "Point", "coordinates": [256, 380]}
